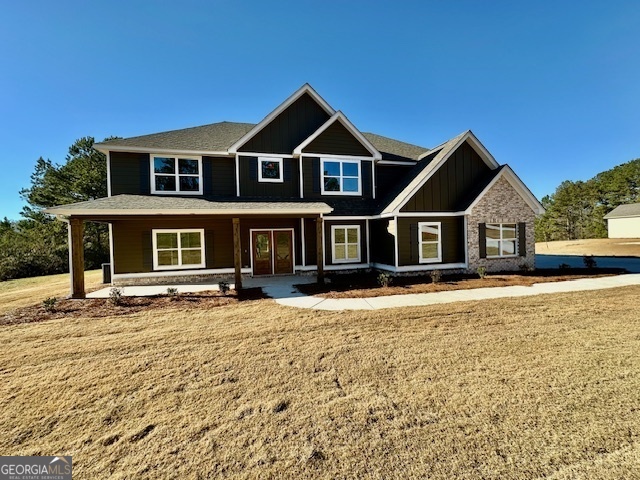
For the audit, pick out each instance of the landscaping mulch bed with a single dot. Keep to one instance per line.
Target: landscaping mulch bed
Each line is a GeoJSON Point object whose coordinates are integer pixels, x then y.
{"type": "Point", "coordinates": [365, 285]}
{"type": "Point", "coordinates": [103, 307]}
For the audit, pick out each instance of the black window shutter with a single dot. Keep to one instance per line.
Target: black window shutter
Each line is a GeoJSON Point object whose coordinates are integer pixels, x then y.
{"type": "Point", "coordinates": [366, 178]}
{"type": "Point", "coordinates": [145, 180]}
{"type": "Point", "coordinates": [522, 240]}
{"type": "Point", "coordinates": [315, 174]}
{"type": "Point", "coordinates": [147, 252]}
{"type": "Point", "coordinates": [414, 242]}
{"type": "Point", "coordinates": [286, 166]}
{"type": "Point", "coordinates": [253, 168]}
{"type": "Point", "coordinates": [207, 176]}
{"type": "Point", "coordinates": [482, 240]}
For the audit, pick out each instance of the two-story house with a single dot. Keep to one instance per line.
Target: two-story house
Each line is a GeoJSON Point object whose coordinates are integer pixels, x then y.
{"type": "Point", "coordinates": [302, 191]}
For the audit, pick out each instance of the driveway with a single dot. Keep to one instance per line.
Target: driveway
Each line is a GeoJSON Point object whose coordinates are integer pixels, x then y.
{"type": "Point", "coordinates": [632, 264]}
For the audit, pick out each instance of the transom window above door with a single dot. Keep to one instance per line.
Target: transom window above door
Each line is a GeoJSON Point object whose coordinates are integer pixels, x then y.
{"type": "Point", "coordinates": [340, 177]}
{"type": "Point", "coordinates": [176, 175]}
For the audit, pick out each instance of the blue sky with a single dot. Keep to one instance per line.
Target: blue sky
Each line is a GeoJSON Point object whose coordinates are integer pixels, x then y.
{"type": "Point", "coordinates": [551, 88]}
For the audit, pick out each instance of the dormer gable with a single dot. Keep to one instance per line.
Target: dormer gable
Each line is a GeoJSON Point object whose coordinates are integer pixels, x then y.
{"type": "Point", "coordinates": [293, 121]}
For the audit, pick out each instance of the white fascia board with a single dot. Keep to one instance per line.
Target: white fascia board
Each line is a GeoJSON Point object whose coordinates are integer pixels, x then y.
{"type": "Point", "coordinates": [519, 187]}
{"type": "Point", "coordinates": [397, 162]}
{"type": "Point", "coordinates": [123, 148]}
{"type": "Point", "coordinates": [306, 88]}
{"type": "Point", "coordinates": [132, 212]}
{"type": "Point", "coordinates": [340, 117]}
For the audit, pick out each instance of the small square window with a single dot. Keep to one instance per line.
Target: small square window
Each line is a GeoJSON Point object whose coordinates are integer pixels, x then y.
{"type": "Point", "coordinates": [270, 169]}
{"type": "Point", "coordinates": [501, 239]}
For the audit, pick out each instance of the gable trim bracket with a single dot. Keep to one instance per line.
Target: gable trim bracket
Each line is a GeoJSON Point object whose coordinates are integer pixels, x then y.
{"type": "Point", "coordinates": [339, 117]}
{"type": "Point", "coordinates": [306, 88]}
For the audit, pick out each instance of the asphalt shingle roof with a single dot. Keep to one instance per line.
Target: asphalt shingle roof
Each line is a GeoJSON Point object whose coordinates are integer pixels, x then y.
{"type": "Point", "coordinates": [218, 137]}
{"type": "Point", "coordinates": [621, 211]}
{"type": "Point", "coordinates": [139, 204]}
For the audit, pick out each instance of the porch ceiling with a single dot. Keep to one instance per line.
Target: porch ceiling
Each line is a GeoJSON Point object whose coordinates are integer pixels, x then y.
{"type": "Point", "coordinates": [127, 205]}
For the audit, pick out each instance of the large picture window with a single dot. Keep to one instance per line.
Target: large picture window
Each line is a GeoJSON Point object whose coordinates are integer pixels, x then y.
{"type": "Point", "coordinates": [270, 169]}
{"type": "Point", "coordinates": [430, 242]}
{"type": "Point", "coordinates": [340, 177]}
{"type": "Point", "coordinates": [502, 239]}
{"type": "Point", "coordinates": [174, 249]}
{"type": "Point", "coordinates": [176, 175]}
{"type": "Point", "coordinates": [345, 243]}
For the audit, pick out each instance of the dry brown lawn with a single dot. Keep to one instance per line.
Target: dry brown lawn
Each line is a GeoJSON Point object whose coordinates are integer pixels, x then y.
{"type": "Point", "coordinates": [613, 247]}
{"type": "Point", "coordinates": [525, 388]}
{"type": "Point", "coordinates": [27, 291]}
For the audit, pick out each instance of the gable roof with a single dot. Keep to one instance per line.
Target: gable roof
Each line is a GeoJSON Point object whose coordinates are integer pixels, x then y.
{"type": "Point", "coordinates": [216, 138]}
{"type": "Point", "coordinates": [339, 117]}
{"type": "Point", "coordinates": [508, 174]}
{"type": "Point", "coordinates": [306, 88]}
{"type": "Point", "coordinates": [622, 211]}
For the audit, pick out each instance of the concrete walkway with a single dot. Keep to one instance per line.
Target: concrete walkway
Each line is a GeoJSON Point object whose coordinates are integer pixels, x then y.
{"type": "Point", "coordinates": [281, 289]}
{"type": "Point", "coordinates": [420, 299]}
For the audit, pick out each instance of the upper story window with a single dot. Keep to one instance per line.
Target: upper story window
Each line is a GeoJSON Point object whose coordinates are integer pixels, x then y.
{"type": "Point", "coordinates": [176, 175]}
{"type": "Point", "coordinates": [502, 239]}
{"type": "Point", "coordinates": [340, 177]}
{"type": "Point", "coordinates": [270, 169]}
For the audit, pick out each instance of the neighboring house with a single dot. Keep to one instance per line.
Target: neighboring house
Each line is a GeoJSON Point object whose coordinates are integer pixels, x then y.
{"type": "Point", "coordinates": [302, 191]}
{"type": "Point", "coordinates": [624, 221]}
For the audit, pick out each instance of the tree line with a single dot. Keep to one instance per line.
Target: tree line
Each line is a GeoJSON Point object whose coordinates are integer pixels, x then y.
{"type": "Point", "coordinates": [37, 244]}
{"type": "Point", "coordinates": [576, 209]}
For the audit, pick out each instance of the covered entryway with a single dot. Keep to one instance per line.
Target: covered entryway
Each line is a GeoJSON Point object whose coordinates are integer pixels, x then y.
{"type": "Point", "coordinates": [272, 251]}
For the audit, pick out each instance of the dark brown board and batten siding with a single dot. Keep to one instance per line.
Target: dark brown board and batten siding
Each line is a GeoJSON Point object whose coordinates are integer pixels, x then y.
{"type": "Point", "coordinates": [133, 247]}
{"type": "Point", "coordinates": [337, 140]}
{"type": "Point", "coordinates": [452, 240]}
{"type": "Point", "coordinates": [289, 129]}
{"type": "Point", "coordinates": [312, 178]}
{"type": "Point", "coordinates": [450, 184]}
{"type": "Point", "coordinates": [382, 242]}
{"type": "Point", "coordinates": [219, 176]}
{"type": "Point", "coordinates": [388, 177]}
{"type": "Point", "coordinates": [129, 173]}
{"type": "Point", "coordinates": [250, 186]}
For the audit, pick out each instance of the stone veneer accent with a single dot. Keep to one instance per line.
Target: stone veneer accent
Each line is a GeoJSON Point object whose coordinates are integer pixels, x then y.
{"type": "Point", "coordinates": [501, 204]}
{"type": "Point", "coordinates": [174, 279]}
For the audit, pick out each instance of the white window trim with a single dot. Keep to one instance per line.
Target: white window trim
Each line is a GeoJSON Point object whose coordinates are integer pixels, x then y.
{"type": "Point", "coordinates": [346, 244]}
{"type": "Point", "coordinates": [500, 240]}
{"type": "Point", "coordinates": [341, 161]}
{"type": "Point", "coordinates": [420, 242]}
{"type": "Point", "coordinates": [177, 231]}
{"type": "Point", "coordinates": [277, 160]}
{"type": "Point", "coordinates": [177, 175]}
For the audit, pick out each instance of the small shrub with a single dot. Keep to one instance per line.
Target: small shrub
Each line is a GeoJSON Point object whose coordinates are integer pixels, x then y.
{"type": "Point", "coordinates": [384, 279]}
{"type": "Point", "coordinates": [482, 272]}
{"type": "Point", "coordinates": [49, 304]}
{"type": "Point", "coordinates": [116, 296]}
{"type": "Point", "coordinates": [172, 292]}
{"type": "Point", "coordinates": [589, 261]}
{"type": "Point", "coordinates": [564, 266]}
{"type": "Point", "coordinates": [223, 287]}
{"type": "Point", "coordinates": [436, 276]}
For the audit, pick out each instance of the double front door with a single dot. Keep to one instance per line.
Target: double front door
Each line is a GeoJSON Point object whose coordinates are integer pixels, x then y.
{"type": "Point", "coordinates": [272, 251]}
